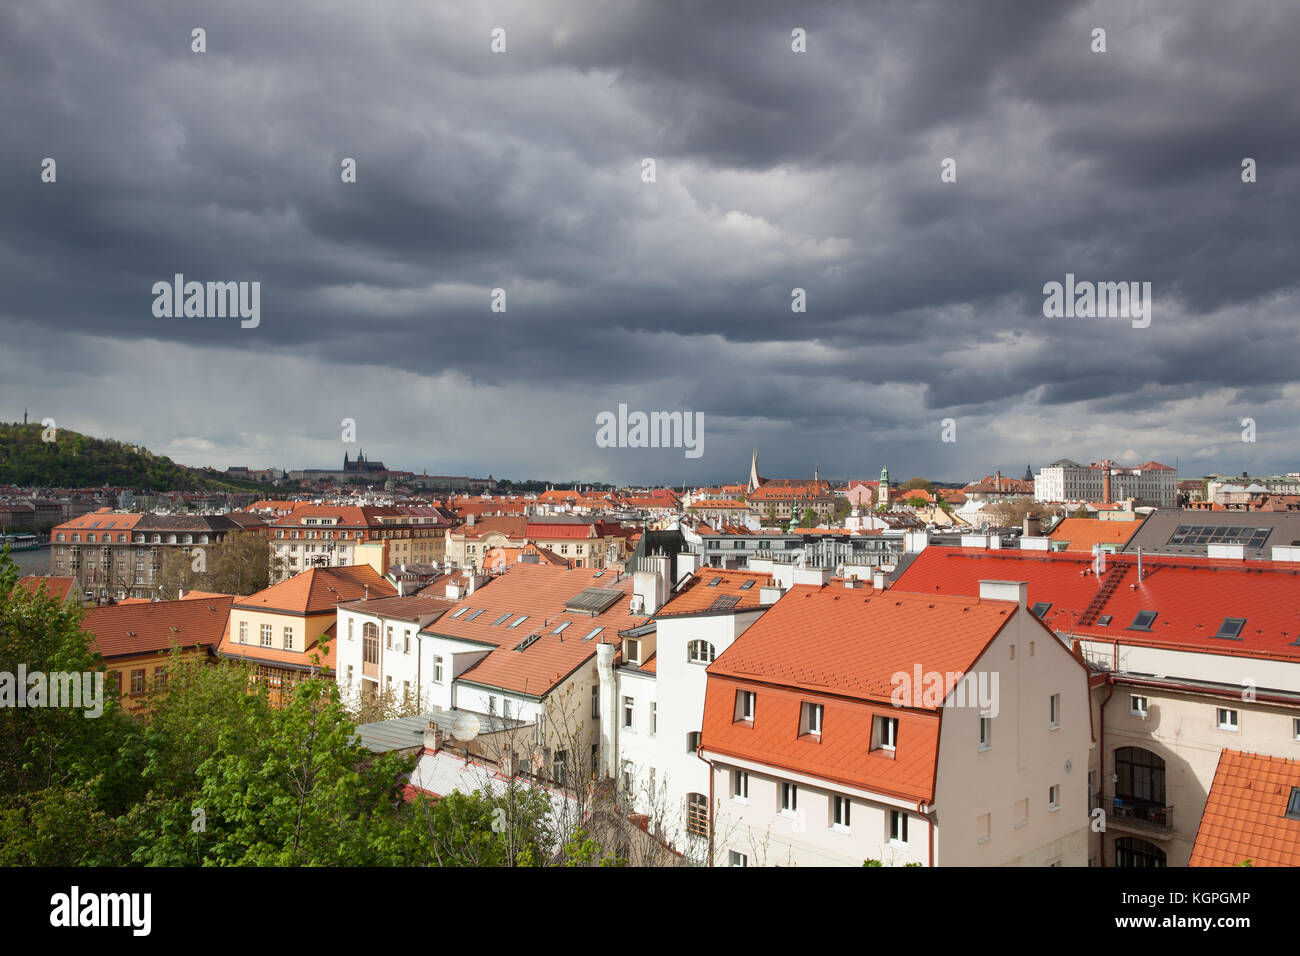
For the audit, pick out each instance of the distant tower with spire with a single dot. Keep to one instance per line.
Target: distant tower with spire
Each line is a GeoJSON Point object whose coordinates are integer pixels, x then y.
{"type": "Point", "coordinates": [882, 490]}
{"type": "Point", "coordinates": [754, 480]}
{"type": "Point", "coordinates": [1029, 473]}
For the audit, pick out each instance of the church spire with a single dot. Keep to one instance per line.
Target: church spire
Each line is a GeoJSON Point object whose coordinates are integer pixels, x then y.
{"type": "Point", "coordinates": [754, 480]}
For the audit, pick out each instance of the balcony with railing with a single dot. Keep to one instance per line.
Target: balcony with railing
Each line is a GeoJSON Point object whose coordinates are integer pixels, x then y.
{"type": "Point", "coordinates": [1140, 818]}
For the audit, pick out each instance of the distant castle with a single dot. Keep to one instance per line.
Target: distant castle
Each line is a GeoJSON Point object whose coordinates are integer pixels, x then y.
{"type": "Point", "coordinates": [361, 466]}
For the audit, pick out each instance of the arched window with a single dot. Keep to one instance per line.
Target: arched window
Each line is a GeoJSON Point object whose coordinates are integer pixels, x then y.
{"type": "Point", "coordinates": [699, 652]}
{"type": "Point", "coordinates": [1132, 852]}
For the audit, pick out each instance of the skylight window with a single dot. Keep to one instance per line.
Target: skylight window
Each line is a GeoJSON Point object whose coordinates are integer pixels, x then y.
{"type": "Point", "coordinates": [502, 619]}
{"type": "Point", "coordinates": [460, 612]}
{"type": "Point", "coordinates": [1231, 627]}
{"type": "Point", "coordinates": [1293, 805]}
{"type": "Point", "coordinates": [1104, 620]}
{"type": "Point", "coordinates": [474, 615]}
{"type": "Point", "coordinates": [519, 620]}
{"type": "Point", "coordinates": [526, 641]}
{"type": "Point", "coordinates": [592, 633]}
{"type": "Point", "coordinates": [715, 582]}
{"type": "Point", "coordinates": [1143, 621]}
{"type": "Point", "coordinates": [1041, 608]}
{"type": "Point", "coordinates": [724, 602]}
{"type": "Point", "coordinates": [560, 629]}
{"type": "Point", "coordinates": [747, 585]}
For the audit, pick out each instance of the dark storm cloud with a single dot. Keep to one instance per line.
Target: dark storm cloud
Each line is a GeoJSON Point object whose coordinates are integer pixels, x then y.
{"type": "Point", "coordinates": [775, 170]}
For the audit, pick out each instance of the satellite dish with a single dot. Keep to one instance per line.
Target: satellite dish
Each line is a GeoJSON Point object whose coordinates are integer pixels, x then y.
{"type": "Point", "coordinates": [465, 728]}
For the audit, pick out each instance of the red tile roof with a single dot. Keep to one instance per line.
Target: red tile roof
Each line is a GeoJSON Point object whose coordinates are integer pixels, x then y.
{"type": "Point", "coordinates": [699, 593]}
{"type": "Point", "coordinates": [1083, 533]}
{"type": "Point", "coordinates": [319, 590]}
{"type": "Point", "coordinates": [540, 592]}
{"type": "Point", "coordinates": [1245, 813]}
{"type": "Point", "coordinates": [1192, 596]}
{"type": "Point", "coordinates": [841, 647]}
{"type": "Point", "coordinates": [55, 587]}
{"type": "Point", "coordinates": [125, 629]}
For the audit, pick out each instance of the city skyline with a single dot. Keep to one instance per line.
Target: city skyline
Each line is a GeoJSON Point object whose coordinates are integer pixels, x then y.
{"type": "Point", "coordinates": [825, 171]}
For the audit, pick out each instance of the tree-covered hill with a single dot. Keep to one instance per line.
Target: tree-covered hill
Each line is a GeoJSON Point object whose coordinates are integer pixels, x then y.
{"type": "Point", "coordinates": [73, 460]}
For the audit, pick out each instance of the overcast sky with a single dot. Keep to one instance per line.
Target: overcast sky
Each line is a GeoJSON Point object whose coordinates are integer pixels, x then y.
{"type": "Point", "coordinates": [774, 170]}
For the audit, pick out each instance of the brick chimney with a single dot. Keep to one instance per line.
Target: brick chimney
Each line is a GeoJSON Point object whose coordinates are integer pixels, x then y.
{"type": "Point", "coordinates": [999, 481]}
{"type": "Point", "coordinates": [433, 737]}
{"type": "Point", "coordinates": [1105, 482]}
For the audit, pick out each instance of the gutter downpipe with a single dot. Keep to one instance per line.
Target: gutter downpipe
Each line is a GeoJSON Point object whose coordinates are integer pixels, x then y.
{"type": "Point", "coordinates": [1101, 760]}
{"type": "Point", "coordinates": [710, 764]}
{"type": "Point", "coordinates": [924, 810]}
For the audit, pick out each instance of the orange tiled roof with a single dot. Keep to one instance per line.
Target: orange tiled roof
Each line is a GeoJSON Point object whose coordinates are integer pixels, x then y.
{"type": "Point", "coordinates": [1083, 533]}
{"type": "Point", "coordinates": [540, 592]}
{"type": "Point", "coordinates": [319, 590]}
{"type": "Point", "coordinates": [841, 648]}
{"type": "Point", "coordinates": [514, 527]}
{"type": "Point", "coordinates": [55, 587]}
{"type": "Point", "coordinates": [102, 520]}
{"type": "Point", "coordinates": [1245, 813]}
{"type": "Point", "coordinates": [699, 593]}
{"type": "Point", "coordinates": [125, 629]}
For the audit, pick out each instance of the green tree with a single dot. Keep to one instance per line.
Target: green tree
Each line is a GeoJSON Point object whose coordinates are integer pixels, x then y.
{"type": "Point", "coordinates": [914, 483]}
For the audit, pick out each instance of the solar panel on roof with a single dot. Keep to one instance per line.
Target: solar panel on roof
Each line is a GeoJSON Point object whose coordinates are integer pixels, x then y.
{"type": "Point", "coordinates": [593, 600]}
{"type": "Point", "coordinates": [1194, 535]}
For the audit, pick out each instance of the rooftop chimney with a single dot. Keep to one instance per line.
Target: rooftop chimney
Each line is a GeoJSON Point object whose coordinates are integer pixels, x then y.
{"type": "Point", "coordinates": [1105, 482]}
{"type": "Point", "coordinates": [1017, 591]}
{"type": "Point", "coordinates": [433, 737]}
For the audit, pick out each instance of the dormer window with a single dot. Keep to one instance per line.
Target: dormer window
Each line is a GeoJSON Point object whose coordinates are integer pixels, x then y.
{"type": "Point", "coordinates": [632, 650]}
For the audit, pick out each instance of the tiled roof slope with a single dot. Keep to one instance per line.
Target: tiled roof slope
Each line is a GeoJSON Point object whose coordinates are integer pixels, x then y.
{"type": "Point", "coordinates": [840, 648]}
{"type": "Point", "coordinates": [1245, 813]}
{"type": "Point", "coordinates": [1083, 533]}
{"type": "Point", "coordinates": [1192, 596]}
{"type": "Point", "coordinates": [125, 629]}
{"type": "Point", "coordinates": [540, 592]}
{"type": "Point", "coordinates": [319, 590]}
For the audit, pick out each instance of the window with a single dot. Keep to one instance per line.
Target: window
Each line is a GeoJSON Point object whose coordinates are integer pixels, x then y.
{"type": "Point", "coordinates": [437, 669]}
{"type": "Point", "coordinates": [697, 814]}
{"type": "Point", "coordinates": [1054, 797]}
{"type": "Point", "coordinates": [501, 620]}
{"type": "Point", "coordinates": [266, 635]}
{"type": "Point", "coordinates": [699, 652]}
{"type": "Point", "coordinates": [159, 677]}
{"type": "Point", "coordinates": [693, 741]}
{"type": "Point", "coordinates": [654, 718]}
{"type": "Point", "coordinates": [505, 707]}
{"type": "Point", "coordinates": [369, 644]}
{"type": "Point", "coordinates": [898, 827]}
{"type": "Point", "coordinates": [984, 827]}
{"type": "Point", "coordinates": [406, 642]}
{"type": "Point", "coordinates": [1231, 627]}
{"type": "Point", "coordinates": [560, 629]}
{"type": "Point", "coordinates": [986, 733]}
{"type": "Point", "coordinates": [592, 633]}
{"type": "Point", "coordinates": [884, 733]}
{"type": "Point", "coordinates": [1295, 728]}
{"type": "Point", "coordinates": [349, 629]}
{"type": "Point", "coordinates": [459, 612]}
{"type": "Point", "coordinates": [288, 638]}
{"type": "Point", "coordinates": [840, 807]}
{"type": "Point", "coordinates": [1227, 719]}
{"type": "Point", "coordinates": [1137, 706]}
{"type": "Point", "coordinates": [789, 795]}
{"type": "Point", "coordinates": [629, 712]}
{"type": "Point", "coordinates": [1143, 621]}
{"type": "Point", "coordinates": [810, 720]}
{"type": "Point", "coordinates": [1041, 608]}
{"type": "Point", "coordinates": [559, 766]}
{"type": "Point", "coordinates": [595, 701]}
{"type": "Point", "coordinates": [243, 627]}
{"type": "Point", "coordinates": [1054, 712]}
{"type": "Point", "coordinates": [388, 637]}
{"type": "Point", "coordinates": [1293, 804]}
{"type": "Point", "coordinates": [745, 705]}
{"type": "Point", "coordinates": [632, 650]}
{"type": "Point", "coordinates": [137, 681]}
{"type": "Point", "coordinates": [739, 785]}
{"type": "Point", "coordinates": [492, 703]}
{"type": "Point", "coordinates": [737, 859]}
